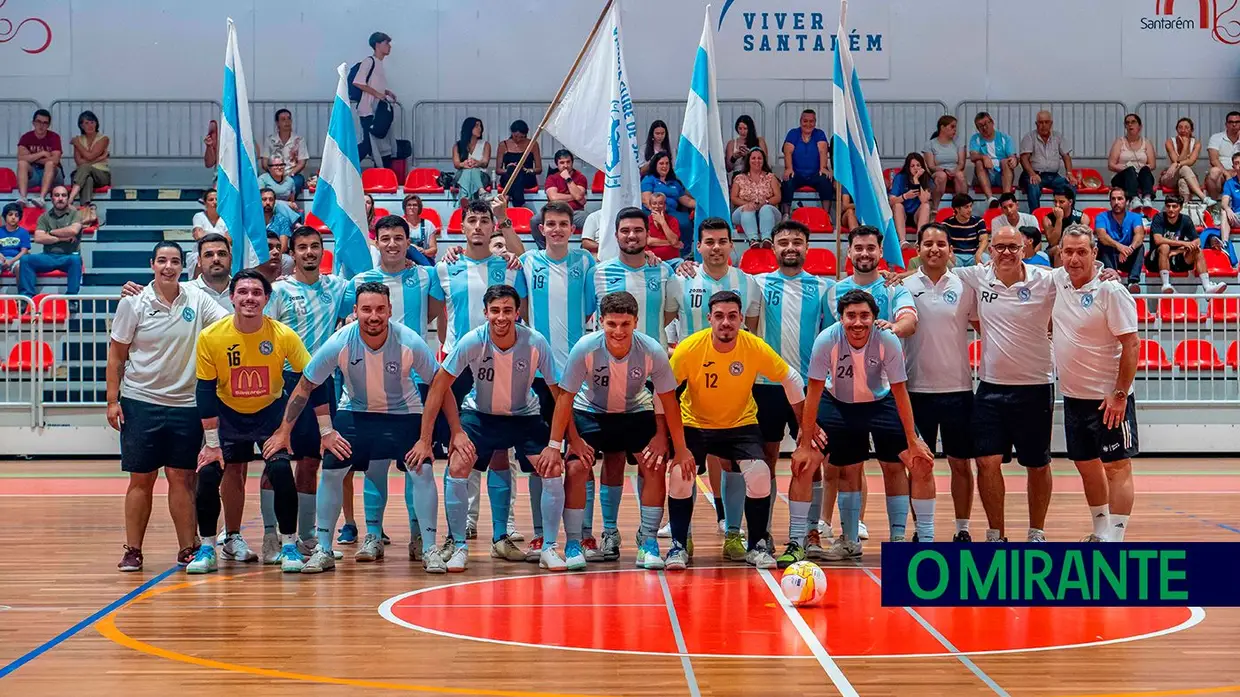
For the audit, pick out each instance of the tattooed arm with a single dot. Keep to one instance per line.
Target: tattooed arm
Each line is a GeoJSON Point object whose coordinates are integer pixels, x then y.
{"type": "Point", "coordinates": [305, 393]}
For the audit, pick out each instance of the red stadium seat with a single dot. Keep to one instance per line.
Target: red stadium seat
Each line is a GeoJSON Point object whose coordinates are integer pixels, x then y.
{"type": "Point", "coordinates": [379, 180]}
{"type": "Point", "coordinates": [1152, 356]}
{"type": "Point", "coordinates": [813, 217]}
{"type": "Point", "coordinates": [1143, 311]}
{"type": "Point", "coordinates": [1208, 218]}
{"type": "Point", "coordinates": [1040, 214]}
{"type": "Point", "coordinates": [1225, 309]}
{"type": "Point", "coordinates": [888, 174]}
{"type": "Point", "coordinates": [1179, 310]}
{"type": "Point", "coordinates": [1197, 354]}
{"type": "Point", "coordinates": [454, 221]}
{"type": "Point", "coordinates": [910, 253]}
{"type": "Point", "coordinates": [30, 217]}
{"type": "Point", "coordinates": [423, 180]}
{"type": "Point", "coordinates": [990, 215]}
{"type": "Point", "coordinates": [1094, 213]}
{"type": "Point", "coordinates": [1091, 182]}
{"type": "Point", "coordinates": [1218, 263]}
{"type": "Point", "coordinates": [757, 260]}
{"type": "Point", "coordinates": [8, 180]}
{"type": "Point", "coordinates": [55, 311]}
{"type": "Point", "coordinates": [432, 216]}
{"type": "Point", "coordinates": [325, 264]}
{"type": "Point", "coordinates": [10, 310]}
{"type": "Point", "coordinates": [975, 354]}
{"type": "Point", "coordinates": [381, 212]}
{"type": "Point", "coordinates": [26, 356]}
{"type": "Point", "coordinates": [103, 190]}
{"type": "Point", "coordinates": [943, 214]}
{"type": "Point", "coordinates": [820, 262]}
{"type": "Point", "coordinates": [313, 221]}
{"type": "Point", "coordinates": [596, 186]}
{"type": "Point", "coordinates": [1233, 355]}
{"type": "Point", "coordinates": [520, 217]}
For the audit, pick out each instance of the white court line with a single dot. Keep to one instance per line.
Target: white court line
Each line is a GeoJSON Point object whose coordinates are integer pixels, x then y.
{"type": "Point", "coordinates": [685, 662]}
{"type": "Point", "coordinates": [807, 635]}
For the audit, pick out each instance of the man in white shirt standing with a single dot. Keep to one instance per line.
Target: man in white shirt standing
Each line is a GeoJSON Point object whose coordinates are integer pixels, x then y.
{"type": "Point", "coordinates": [1096, 349]}
{"type": "Point", "coordinates": [371, 80]}
{"type": "Point", "coordinates": [151, 382]}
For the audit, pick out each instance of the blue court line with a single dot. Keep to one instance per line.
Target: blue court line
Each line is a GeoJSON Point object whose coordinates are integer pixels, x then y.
{"type": "Point", "coordinates": [1207, 521]}
{"type": "Point", "coordinates": [93, 618]}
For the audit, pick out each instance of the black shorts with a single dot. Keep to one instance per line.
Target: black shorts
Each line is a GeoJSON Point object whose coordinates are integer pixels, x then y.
{"type": "Point", "coordinates": [731, 444]}
{"type": "Point", "coordinates": [1089, 439]}
{"type": "Point", "coordinates": [1014, 416]}
{"type": "Point", "coordinates": [849, 428]}
{"type": "Point", "coordinates": [491, 433]}
{"type": "Point", "coordinates": [242, 434]}
{"type": "Point", "coordinates": [949, 414]}
{"type": "Point", "coordinates": [304, 440]}
{"type": "Point", "coordinates": [616, 433]}
{"type": "Point", "coordinates": [374, 436]}
{"type": "Point", "coordinates": [1176, 263]}
{"type": "Point", "coordinates": [153, 436]}
{"type": "Point", "coordinates": [775, 414]}
{"type": "Point", "coordinates": [546, 400]}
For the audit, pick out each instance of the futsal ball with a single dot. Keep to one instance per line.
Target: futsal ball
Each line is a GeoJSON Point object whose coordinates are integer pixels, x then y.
{"type": "Point", "coordinates": [804, 584]}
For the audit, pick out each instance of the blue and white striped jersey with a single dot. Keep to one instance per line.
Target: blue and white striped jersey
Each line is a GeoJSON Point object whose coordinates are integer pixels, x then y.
{"type": "Point", "coordinates": [502, 379]}
{"type": "Point", "coordinates": [463, 283]}
{"type": "Point", "coordinates": [656, 288]}
{"type": "Point", "coordinates": [560, 299]}
{"type": "Point", "coordinates": [696, 292]}
{"type": "Point", "coordinates": [792, 315]}
{"type": "Point", "coordinates": [309, 310]}
{"type": "Point", "coordinates": [859, 375]}
{"type": "Point", "coordinates": [605, 384]}
{"type": "Point", "coordinates": [409, 289]}
{"type": "Point", "coordinates": [380, 381]}
{"type": "Point", "coordinates": [893, 301]}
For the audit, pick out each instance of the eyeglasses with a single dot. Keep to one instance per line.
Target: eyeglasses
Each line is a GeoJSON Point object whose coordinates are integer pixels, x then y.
{"type": "Point", "coordinates": [1130, 122]}
{"type": "Point", "coordinates": [1007, 248]}
{"type": "Point", "coordinates": [42, 122]}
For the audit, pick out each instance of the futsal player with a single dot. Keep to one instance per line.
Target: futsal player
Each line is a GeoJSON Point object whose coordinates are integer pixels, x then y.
{"type": "Point", "coordinates": [719, 366]}
{"type": "Point", "coordinates": [500, 412]}
{"type": "Point", "coordinates": [150, 378]}
{"type": "Point", "coordinates": [857, 391]}
{"type": "Point", "coordinates": [240, 399]}
{"type": "Point", "coordinates": [1096, 349]}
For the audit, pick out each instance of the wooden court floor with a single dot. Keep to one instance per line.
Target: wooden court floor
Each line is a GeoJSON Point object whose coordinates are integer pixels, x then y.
{"type": "Point", "coordinates": [71, 624]}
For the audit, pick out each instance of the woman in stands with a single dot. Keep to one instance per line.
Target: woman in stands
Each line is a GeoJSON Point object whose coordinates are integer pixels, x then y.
{"type": "Point", "coordinates": [470, 157]}
{"type": "Point", "coordinates": [945, 159]}
{"type": "Point", "coordinates": [370, 214]}
{"type": "Point", "coordinates": [1183, 150]}
{"type": "Point", "coordinates": [90, 152]}
{"type": "Point", "coordinates": [910, 192]}
{"type": "Point", "coordinates": [1132, 159]}
{"type": "Point", "coordinates": [507, 156]}
{"type": "Point", "coordinates": [746, 139]}
{"type": "Point", "coordinates": [656, 142]}
{"type": "Point", "coordinates": [423, 235]}
{"type": "Point", "coordinates": [662, 179]}
{"type": "Point", "coordinates": [755, 200]}
{"type": "Point", "coordinates": [206, 221]}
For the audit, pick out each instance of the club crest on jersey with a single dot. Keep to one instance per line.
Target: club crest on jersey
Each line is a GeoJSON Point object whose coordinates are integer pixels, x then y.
{"type": "Point", "coordinates": [410, 281]}
{"type": "Point", "coordinates": [1087, 300]}
{"type": "Point", "coordinates": [653, 284]}
{"type": "Point", "coordinates": [188, 314]}
{"type": "Point", "coordinates": [950, 297]}
{"type": "Point", "coordinates": [497, 276]}
{"type": "Point", "coordinates": [736, 368]}
{"type": "Point", "coordinates": [520, 365]}
{"type": "Point", "coordinates": [574, 272]}
{"type": "Point", "coordinates": [1024, 294]}
{"type": "Point", "coordinates": [266, 348]}
{"type": "Point", "coordinates": [391, 367]}
{"type": "Point", "coordinates": [635, 373]}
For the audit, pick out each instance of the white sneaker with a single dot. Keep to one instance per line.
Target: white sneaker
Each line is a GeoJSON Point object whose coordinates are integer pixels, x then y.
{"type": "Point", "coordinates": [574, 556]}
{"type": "Point", "coordinates": [611, 545]}
{"type": "Point", "coordinates": [1215, 287]}
{"type": "Point", "coordinates": [1208, 202]}
{"type": "Point", "coordinates": [204, 561]}
{"type": "Point", "coordinates": [291, 560]}
{"type": "Point", "coordinates": [459, 559]}
{"type": "Point", "coordinates": [863, 533]}
{"type": "Point", "coordinates": [665, 532]}
{"type": "Point", "coordinates": [842, 550]}
{"type": "Point", "coordinates": [1168, 290]}
{"type": "Point", "coordinates": [271, 549]}
{"type": "Point", "coordinates": [235, 549]}
{"type": "Point", "coordinates": [505, 548]}
{"type": "Point", "coordinates": [759, 558]}
{"type": "Point", "coordinates": [434, 564]}
{"type": "Point", "coordinates": [371, 549]}
{"type": "Point", "coordinates": [1036, 536]}
{"type": "Point", "coordinates": [550, 558]}
{"type": "Point", "coordinates": [723, 527]}
{"type": "Point", "coordinates": [319, 562]}
{"type": "Point", "coordinates": [513, 533]}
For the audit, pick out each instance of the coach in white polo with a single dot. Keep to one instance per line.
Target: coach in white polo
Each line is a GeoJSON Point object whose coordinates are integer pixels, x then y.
{"type": "Point", "coordinates": [151, 383]}
{"type": "Point", "coordinates": [1096, 350]}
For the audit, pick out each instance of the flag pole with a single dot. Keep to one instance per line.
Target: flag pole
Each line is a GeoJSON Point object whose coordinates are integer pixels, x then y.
{"type": "Point", "coordinates": [555, 101]}
{"type": "Point", "coordinates": [839, 232]}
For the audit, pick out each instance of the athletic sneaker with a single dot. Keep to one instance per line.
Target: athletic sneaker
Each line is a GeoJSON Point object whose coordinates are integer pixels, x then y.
{"type": "Point", "coordinates": [665, 532]}
{"type": "Point", "coordinates": [549, 558]}
{"type": "Point", "coordinates": [648, 556]}
{"type": "Point", "coordinates": [734, 547]}
{"type": "Point", "coordinates": [677, 558]}
{"type": "Point", "coordinates": [131, 560]}
{"type": "Point", "coordinates": [611, 545]}
{"type": "Point", "coordinates": [291, 559]}
{"type": "Point", "coordinates": [842, 550]}
{"type": "Point", "coordinates": [897, 538]}
{"type": "Point", "coordinates": [434, 564]}
{"type": "Point", "coordinates": [533, 550]}
{"type": "Point", "coordinates": [186, 555]}
{"type": "Point", "coordinates": [204, 561]}
{"type": "Point", "coordinates": [308, 547]}
{"type": "Point", "coordinates": [863, 533]}
{"type": "Point", "coordinates": [471, 531]}
{"type": "Point", "coordinates": [447, 549]}
{"type": "Point", "coordinates": [514, 534]}
{"type": "Point", "coordinates": [962, 536]}
{"type": "Point", "coordinates": [458, 560]}
{"type": "Point", "coordinates": [1088, 538]}
{"type": "Point", "coordinates": [574, 557]}
{"type": "Point", "coordinates": [793, 553]}
{"type": "Point", "coordinates": [271, 548]}
{"type": "Point", "coordinates": [723, 527]}
{"type": "Point", "coordinates": [235, 549]}
{"type": "Point", "coordinates": [347, 535]}
{"type": "Point", "coordinates": [505, 548]}
{"type": "Point", "coordinates": [371, 549]}
{"type": "Point", "coordinates": [1036, 536]}
{"type": "Point", "coordinates": [590, 546]}
{"type": "Point", "coordinates": [415, 549]}
{"type": "Point", "coordinates": [813, 545]}
{"type": "Point", "coordinates": [386, 540]}
{"type": "Point", "coordinates": [759, 557]}
{"type": "Point", "coordinates": [319, 562]}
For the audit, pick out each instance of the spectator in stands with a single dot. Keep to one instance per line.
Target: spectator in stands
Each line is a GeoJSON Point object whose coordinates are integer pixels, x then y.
{"type": "Point", "coordinates": [369, 201]}
{"type": "Point", "coordinates": [589, 232]}
{"type": "Point", "coordinates": [371, 81]}
{"type": "Point", "coordinates": [211, 147]}
{"type": "Point", "coordinates": [1230, 217]}
{"type": "Point", "coordinates": [423, 235]}
{"type": "Point", "coordinates": [275, 179]}
{"type": "Point", "coordinates": [1174, 247]}
{"type": "Point", "coordinates": [1221, 147]}
{"type": "Point", "coordinates": [1046, 158]}
{"type": "Point", "coordinates": [755, 199]}
{"type": "Point", "coordinates": [288, 146]}
{"type": "Point", "coordinates": [277, 221]}
{"type": "Point", "coordinates": [1133, 160]}
{"type": "Point", "coordinates": [1061, 215]}
{"type": "Point", "coordinates": [277, 264]}
{"type": "Point", "coordinates": [966, 233]}
{"type": "Point", "coordinates": [1183, 151]}
{"type": "Point", "coordinates": [993, 156]}
{"type": "Point", "coordinates": [664, 238]}
{"type": "Point", "coordinates": [38, 159]}
{"type": "Point", "coordinates": [945, 160]}
{"type": "Point", "coordinates": [566, 184]}
{"type": "Point", "coordinates": [90, 154]}
{"type": "Point", "coordinates": [206, 222]}
{"type": "Point", "coordinates": [1011, 217]}
{"type": "Point", "coordinates": [848, 212]}
{"type": "Point", "coordinates": [470, 157]}
{"type": "Point", "coordinates": [910, 192]}
{"type": "Point", "coordinates": [1121, 234]}
{"type": "Point", "coordinates": [662, 179]}
{"type": "Point", "coordinates": [59, 230]}
{"type": "Point", "coordinates": [507, 156]}
{"type": "Point", "coordinates": [656, 142]}
{"type": "Point", "coordinates": [1033, 247]}
{"type": "Point", "coordinates": [14, 239]}
{"type": "Point", "coordinates": [747, 138]}
{"type": "Point", "coordinates": [807, 161]}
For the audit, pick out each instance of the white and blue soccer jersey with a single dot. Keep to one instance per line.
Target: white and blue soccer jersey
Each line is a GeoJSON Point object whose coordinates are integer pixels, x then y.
{"type": "Point", "coordinates": [502, 379]}
{"type": "Point", "coordinates": [409, 289]}
{"type": "Point", "coordinates": [463, 283]}
{"type": "Point", "coordinates": [311, 310]}
{"type": "Point", "coordinates": [656, 289]}
{"type": "Point", "coordinates": [857, 375]}
{"type": "Point", "coordinates": [560, 298]}
{"type": "Point", "coordinates": [605, 384]}
{"type": "Point", "coordinates": [893, 301]}
{"type": "Point", "coordinates": [792, 315]}
{"type": "Point", "coordinates": [380, 381]}
{"type": "Point", "coordinates": [695, 297]}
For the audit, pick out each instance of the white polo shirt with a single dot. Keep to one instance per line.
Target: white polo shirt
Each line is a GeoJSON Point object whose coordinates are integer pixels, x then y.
{"type": "Point", "coordinates": [1225, 147]}
{"type": "Point", "coordinates": [1088, 322]}
{"type": "Point", "coordinates": [161, 340]}
{"type": "Point", "coordinates": [222, 298]}
{"type": "Point", "coordinates": [1015, 319]}
{"type": "Point", "coordinates": [937, 354]}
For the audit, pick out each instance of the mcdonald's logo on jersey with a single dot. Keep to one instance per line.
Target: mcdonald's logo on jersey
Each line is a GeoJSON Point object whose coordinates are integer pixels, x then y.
{"type": "Point", "coordinates": [250, 381]}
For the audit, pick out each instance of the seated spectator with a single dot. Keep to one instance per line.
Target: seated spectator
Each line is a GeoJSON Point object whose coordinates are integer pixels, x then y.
{"type": "Point", "coordinates": [945, 160]}
{"type": "Point", "coordinates": [664, 238]}
{"type": "Point", "coordinates": [1231, 200]}
{"type": "Point", "coordinates": [275, 179]}
{"type": "Point", "coordinates": [277, 221]}
{"type": "Point", "coordinates": [747, 138]}
{"type": "Point", "coordinates": [59, 230]}
{"type": "Point", "coordinates": [662, 179]}
{"type": "Point", "coordinates": [14, 239]}
{"type": "Point", "coordinates": [1046, 158]}
{"type": "Point", "coordinates": [507, 156]}
{"type": "Point", "coordinates": [1133, 160]}
{"type": "Point", "coordinates": [1211, 238]}
{"type": "Point", "coordinates": [755, 199]}
{"type": "Point", "coordinates": [1174, 247]}
{"type": "Point", "coordinates": [38, 159]}
{"type": "Point", "coordinates": [1221, 147]}
{"type": "Point", "coordinates": [1033, 247]}
{"type": "Point", "coordinates": [1183, 151]}
{"type": "Point", "coordinates": [287, 146]}
{"type": "Point", "coordinates": [90, 154]}
{"type": "Point", "coordinates": [910, 193]}
{"type": "Point", "coordinates": [211, 147]}
{"type": "Point", "coordinates": [966, 233]}
{"type": "Point", "coordinates": [656, 142]}
{"type": "Point", "coordinates": [1061, 215]}
{"type": "Point", "coordinates": [807, 161]}
{"type": "Point", "coordinates": [206, 222]}
{"type": "Point", "coordinates": [470, 157]}
{"type": "Point", "coordinates": [566, 184]}
{"type": "Point", "coordinates": [1012, 216]}
{"type": "Point", "coordinates": [1121, 234]}
{"type": "Point", "coordinates": [993, 156]}
{"type": "Point", "coordinates": [423, 235]}
{"type": "Point", "coordinates": [589, 232]}
{"type": "Point", "coordinates": [370, 214]}
{"type": "Point", "coordinates": [848, 212]}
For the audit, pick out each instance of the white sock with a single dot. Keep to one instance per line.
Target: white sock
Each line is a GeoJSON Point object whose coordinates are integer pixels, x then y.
{"type": "Point", "coordinates": [288, 539]}
{"type": "Point", "coordinates": [1119, 526]}
{"type": "Point", "coordinates": [962, 525]}
{"type": "Point", "coordinates": [208, 541]}
{"type": "Point", "coordinates": [1101, 516]}
{"type": "Point", "coordinates": [1166, 277]}
{"type": "Point", "coordinates": [1205, 279]}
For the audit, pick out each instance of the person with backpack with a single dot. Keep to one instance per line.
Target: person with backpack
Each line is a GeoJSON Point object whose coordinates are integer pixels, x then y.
{"type": "Point", "coordinates": [367, 90]}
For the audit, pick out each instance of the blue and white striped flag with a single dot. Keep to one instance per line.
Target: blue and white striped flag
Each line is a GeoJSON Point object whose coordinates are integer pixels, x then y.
{"type": "Point", "coordinates": [700, 155]}
{"type": "Point", "coordinates": [240, 205]}
{"type": "Point", "coordinates": [855, 153]}
{"type": "Point", "coordinates": [338, 198]}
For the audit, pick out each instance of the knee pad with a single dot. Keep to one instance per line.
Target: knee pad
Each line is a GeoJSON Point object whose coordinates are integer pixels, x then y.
{"type": "Point", "coordinates": [757, 478]}
{"type": "Point", "coordinates": [209, 477]}
{"type": "Point", "coordinates": [279, 472]}
{"type": "Point", "coordinates": [678, 487]}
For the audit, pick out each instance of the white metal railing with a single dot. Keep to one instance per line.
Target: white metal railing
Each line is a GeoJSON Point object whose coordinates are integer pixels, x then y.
{"type": "Point", "coordinates": [18, 375]}
{"type": "Point", "coordinates": [76, 328]}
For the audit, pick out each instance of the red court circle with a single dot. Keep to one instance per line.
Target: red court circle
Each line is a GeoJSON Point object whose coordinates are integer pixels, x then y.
{"type": "Point", "coordinates": [731, 612]}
